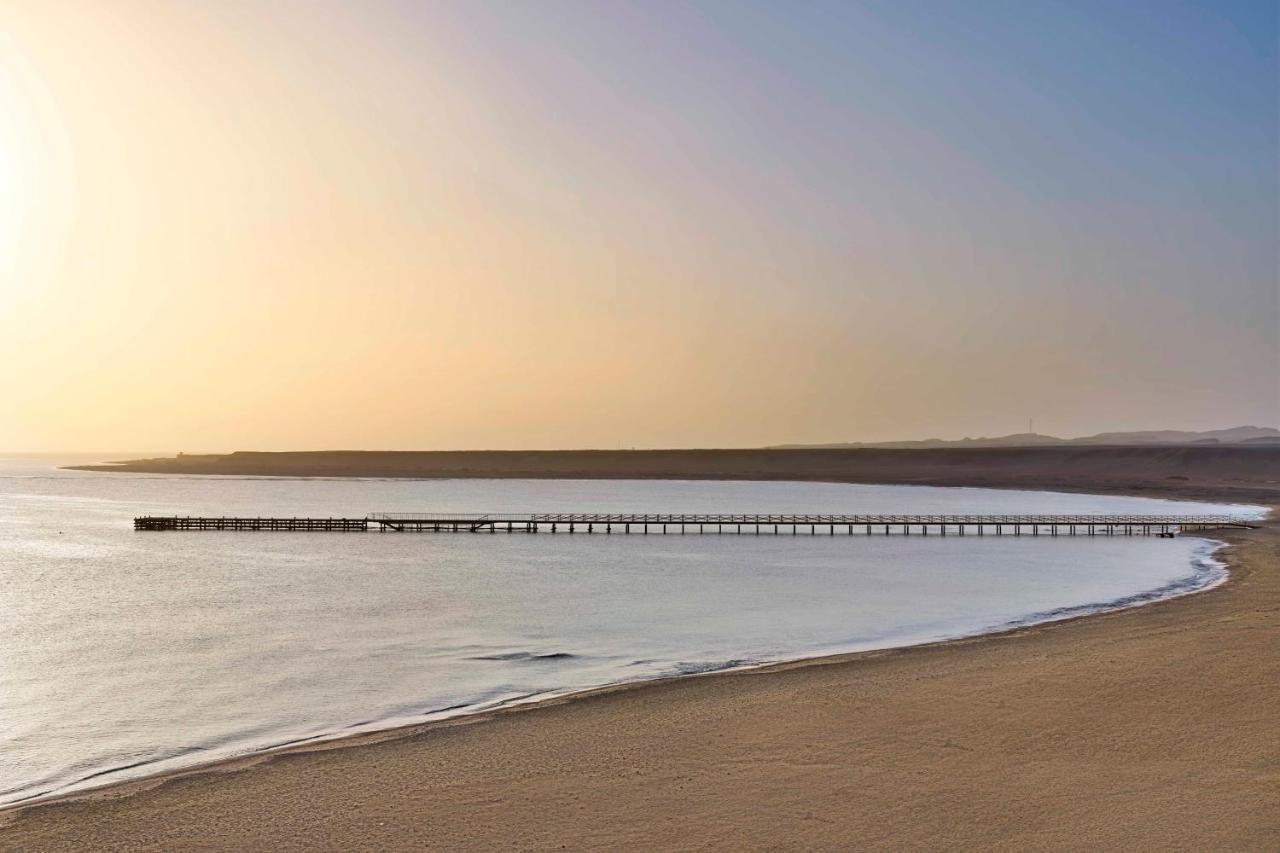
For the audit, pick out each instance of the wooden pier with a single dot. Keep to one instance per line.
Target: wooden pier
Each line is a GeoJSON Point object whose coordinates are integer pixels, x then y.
{"type": "Point", "coordinates": [756, 525]}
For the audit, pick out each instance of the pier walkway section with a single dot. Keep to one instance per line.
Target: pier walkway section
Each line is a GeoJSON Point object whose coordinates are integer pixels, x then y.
{"type": "Point", "coordinates": [738, 524]}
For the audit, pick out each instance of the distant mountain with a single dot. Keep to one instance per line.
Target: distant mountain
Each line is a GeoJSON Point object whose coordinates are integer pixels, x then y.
{"type": "Point", "coordinates": [1235, 435]}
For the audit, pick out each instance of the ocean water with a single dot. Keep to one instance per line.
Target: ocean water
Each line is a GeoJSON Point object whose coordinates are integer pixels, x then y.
{"type": "Point", "coordinates": [127, 654]}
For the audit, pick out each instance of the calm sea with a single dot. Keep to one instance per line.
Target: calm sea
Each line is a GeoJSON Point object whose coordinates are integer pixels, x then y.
{"type": "Point", "coordinates": [126, 654]}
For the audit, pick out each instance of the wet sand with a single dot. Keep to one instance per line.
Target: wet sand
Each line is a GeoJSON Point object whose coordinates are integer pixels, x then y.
{"type": "Point", "coordinates": [1151, 728]}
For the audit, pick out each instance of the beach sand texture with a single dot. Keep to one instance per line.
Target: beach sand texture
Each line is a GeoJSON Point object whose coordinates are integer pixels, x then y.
{"type": "Point", "coordinates": [1146, 729]}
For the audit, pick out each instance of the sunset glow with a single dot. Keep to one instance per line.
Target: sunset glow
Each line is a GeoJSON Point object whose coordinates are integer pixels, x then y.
{"type": "Point", "coordinates": [645, 425]}
{"type": "Point", "coordinates": [453, 225]}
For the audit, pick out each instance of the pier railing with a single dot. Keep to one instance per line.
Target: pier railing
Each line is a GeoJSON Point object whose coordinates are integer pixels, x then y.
{"type": "Point", "coordinates": [720, 523]}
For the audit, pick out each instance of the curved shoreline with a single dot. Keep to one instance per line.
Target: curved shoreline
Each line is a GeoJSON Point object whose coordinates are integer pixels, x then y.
{"type": "Point", "coordinates": [1209, 574]}
{"type": "Point", "coordinates": [1156, 713]}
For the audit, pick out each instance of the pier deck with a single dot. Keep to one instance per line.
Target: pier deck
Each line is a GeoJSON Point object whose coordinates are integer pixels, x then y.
{"type": "Point", "coordinates": [762, 524]}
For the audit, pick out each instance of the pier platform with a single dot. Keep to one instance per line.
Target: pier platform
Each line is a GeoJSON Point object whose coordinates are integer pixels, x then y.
{"type": "Point", "coordinates": [737, 524]}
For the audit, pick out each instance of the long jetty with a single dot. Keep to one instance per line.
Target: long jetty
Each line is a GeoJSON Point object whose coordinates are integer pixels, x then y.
{"type": "Point", "coordinates": [763, 524]}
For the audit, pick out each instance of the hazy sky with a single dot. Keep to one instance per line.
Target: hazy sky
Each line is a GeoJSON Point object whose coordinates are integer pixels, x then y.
{"type": "Point", "coordinates": [295, 225]}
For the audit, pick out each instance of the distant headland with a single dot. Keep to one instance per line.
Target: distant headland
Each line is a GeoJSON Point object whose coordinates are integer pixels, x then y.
{"type": "Point", "coordinates": [1247, 471]}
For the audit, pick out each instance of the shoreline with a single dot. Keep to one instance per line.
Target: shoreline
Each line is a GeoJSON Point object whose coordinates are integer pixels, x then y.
{"type": "Point", "coordinates": [47, 809]}
{"type": "Point", "coordinates": [325, 742]}
{"type": "Point", "coordinates": [1216, 575]}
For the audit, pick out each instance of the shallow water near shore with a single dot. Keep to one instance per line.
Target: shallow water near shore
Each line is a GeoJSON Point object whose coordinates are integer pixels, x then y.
{"type": "Point", "coordinates": [128, 654]}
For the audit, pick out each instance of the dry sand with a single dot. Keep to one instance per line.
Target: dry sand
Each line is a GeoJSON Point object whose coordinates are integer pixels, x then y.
{"type": "Point", "coordinates": [1147, 729]}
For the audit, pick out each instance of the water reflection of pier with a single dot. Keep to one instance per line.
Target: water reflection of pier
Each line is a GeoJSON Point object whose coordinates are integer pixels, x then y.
{"type": "Point", "coordinates": [738, 524]}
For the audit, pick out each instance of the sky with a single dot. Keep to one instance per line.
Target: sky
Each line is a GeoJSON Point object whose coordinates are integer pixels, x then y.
{"type": "Point", "coordinates": [311, 224]}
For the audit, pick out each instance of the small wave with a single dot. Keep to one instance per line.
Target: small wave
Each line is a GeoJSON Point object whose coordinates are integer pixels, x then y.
{"type": "Point", "coordinates": [69, 780]}
{"type": "Point", "coordinates": [527, 656]}
{"type": "Point", "coordinates": [695, 667]}
{"type": "Point", "coordinates": [1207, 573]}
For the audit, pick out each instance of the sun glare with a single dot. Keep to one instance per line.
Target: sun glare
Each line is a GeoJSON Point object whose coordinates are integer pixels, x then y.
{"type": "Point", "coordinates": [16, 167]}
{"type": "Point", "coordinates": [12, 200]}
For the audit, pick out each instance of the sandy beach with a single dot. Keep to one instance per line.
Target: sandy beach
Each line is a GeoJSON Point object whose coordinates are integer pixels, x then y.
{"type": "Point", "coordinates": [1144, 729]}
{"type": "Point", "coordinates": [299, 298]}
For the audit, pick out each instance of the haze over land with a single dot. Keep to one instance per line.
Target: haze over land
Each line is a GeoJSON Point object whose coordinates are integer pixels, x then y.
{"type": "Point", "coordinates": [1241, 472]}
{"type": "Point", "coordinates": [456, 225]}
{"type": "Point", "coordinates": [1235, 435]}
